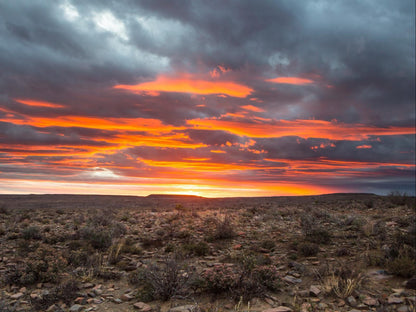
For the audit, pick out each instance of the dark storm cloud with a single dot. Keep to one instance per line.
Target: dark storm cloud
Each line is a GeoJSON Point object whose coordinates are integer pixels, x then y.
{"type": "Point", "coordinates": [26, 135]}
{"type": "Point", "coordinates": [388, 149]}
{"type": "Point", "coordinates": [363, 49]}
{"type": "Point", "coordinates": [213, 138]}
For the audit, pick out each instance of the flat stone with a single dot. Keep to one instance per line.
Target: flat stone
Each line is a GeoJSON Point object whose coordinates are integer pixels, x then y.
{"type": "Point", "coordinates": [126, 297]}
{"type": "Point", "coordinates": [87, 285]}
{"type": "Point", "coordinates": [17, 296]}
{"type": "Point", "coordinates": [142, 306]}
{"type": "Point", "coordinates": [403, 309]}
{"type": "Point", "coordinates": [394, 300]}
{"type": "Point", "coordinates": [372, 302]}
{"type": "Point", "coordinates": [75, 308]}
{"type": "Point", "coordinates": [314, 290]}
{"type": "Point", "coordinates": [354, 310]}
{"type": "Point", "coordinates": [184, 308]}
{"type": "Point", "coordinates": [292, 280]}
{"type": "Point", "coordinates": [34, 296]}
{"type": "Point", "coordinates": [117, 300]}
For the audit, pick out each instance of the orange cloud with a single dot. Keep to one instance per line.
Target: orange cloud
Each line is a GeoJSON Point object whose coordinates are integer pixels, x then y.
{"type": "Point", "coordinates": [364, 146]}
{"type": "Point", "coordinates": [252, 108]}
{"type": "Point", "coordinates": [301, 128]}
{"type": "Point", "coordinates": [291, 80]}
{"type": "Point", "coordinates": [39, 103]}
{"type": "Point", "coordinates": [131, 124]}
{"type": "Point", "coordinates": [187, 83]}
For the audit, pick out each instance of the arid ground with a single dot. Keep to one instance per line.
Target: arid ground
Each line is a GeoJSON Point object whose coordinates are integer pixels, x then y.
{"type": "Point", "coordinates": [339, 252]}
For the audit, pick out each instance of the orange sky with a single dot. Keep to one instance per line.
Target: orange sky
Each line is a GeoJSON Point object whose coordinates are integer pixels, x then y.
{"type": "Point", "coordinates": [245, 98]}
{"type": "Point", "coordinates": [175, 162]}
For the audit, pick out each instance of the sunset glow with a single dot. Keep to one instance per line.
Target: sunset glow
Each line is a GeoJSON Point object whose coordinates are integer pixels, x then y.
{"type": "Point", "coordinates": [188, 84]}
{"type": "Point", "coordinates": [291, 80]}
{"type": "Point", "coordinates": [252, 99]}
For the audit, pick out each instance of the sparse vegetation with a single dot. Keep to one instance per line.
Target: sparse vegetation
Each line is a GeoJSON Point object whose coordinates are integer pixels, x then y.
{"type": "Point", "coordinates": [258, 251]}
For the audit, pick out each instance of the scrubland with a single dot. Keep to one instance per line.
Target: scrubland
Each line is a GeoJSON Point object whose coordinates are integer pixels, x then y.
{"type": "Point", "coordinates": [339, 252]}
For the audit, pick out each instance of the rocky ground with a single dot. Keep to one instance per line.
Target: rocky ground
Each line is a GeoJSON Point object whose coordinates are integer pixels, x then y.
{"type": "Point", "coordinates": [340, 252]}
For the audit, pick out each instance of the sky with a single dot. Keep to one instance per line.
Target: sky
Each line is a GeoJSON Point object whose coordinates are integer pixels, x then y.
{"type": "Point", "coordinates": [211, 98]}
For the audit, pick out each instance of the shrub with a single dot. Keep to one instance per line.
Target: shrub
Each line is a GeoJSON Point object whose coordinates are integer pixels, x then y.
{"type": "Point", "coordinates": [224, 229]}
{"type": "Point", "coordinates": [220, 278]}
{"type": "Point", "coordinates": [66, 293]}
{"type": "Point", "coordinates": [268, 244]}
{"type": "Point", "coordinates": [403, 265]}
{"type": "Point", "coordinates": [34, 271]}
{"type": "Point", "coordinates": [32, 232]}
{"type": "Point", "coordinates": [312, 229]}
{"type": "Point", "coordinates": [166, 280]}
{"type": "Point", "coordinates": [397, 198]}
{"type": "Point", "coordinates": [341, 281]}
{"type": "Point", "coordinates": [114, 255]}
{"type": "Point", "coordinates": [319, 236]}
{"type": "Point", "coordinates": [84, 257]}
{"type": "Point", "coordinates": [150, 242]}
{"type": "Point", "coordinates": [308, 249]}
{"type": "Point", "coordinates": [240, 282]}
{"type": "Point", "coordinates": [3, 209]}
{"type": "Point", "coordinates": [118, 229]}
{"type": "Point", "coordinates": [196, 249]}
{"type": "Point", "coordinates": [99, 238]}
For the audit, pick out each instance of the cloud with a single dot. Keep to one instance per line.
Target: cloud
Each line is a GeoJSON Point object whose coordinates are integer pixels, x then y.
{"type": "Point", "coordinates": [185, 83]}
{"type": "Point", "coordinates": [212, 95]}
{"type": "Point", "coordinates": [291, 80]}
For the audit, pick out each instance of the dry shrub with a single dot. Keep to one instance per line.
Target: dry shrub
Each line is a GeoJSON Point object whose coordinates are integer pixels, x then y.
{"type": "Point", "coordinates": [168, 279]}
{"type": "Point", "coordinates": [340, 281]}
{"type": "Point", "coordinates": [224, 229]}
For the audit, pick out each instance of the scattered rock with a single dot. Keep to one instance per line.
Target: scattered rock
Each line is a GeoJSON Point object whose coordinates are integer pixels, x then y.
{"type": "Point", "coordinates": [314, 290]}
{"type": "Point", "coordinates": [142, 306]}
{"type": "Point", "coordinates": [371, 302]}
{"type": "Point", "coordinates": [126, 297]}
{"type": "Point", "coordinates": [75, 308]}
{"type": "Point", "coordinates": [292, 280]}
{"type": "Point", "coordinates": [184, 308]}
{"type": "Point", "coordinates": [17, 296]}
{"type": "Point", "coordinates": [394, 300]}
{"type": "Point", "coordinates": [351, 301]}
{"type": "Point", "coordinates": [87, 285]}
